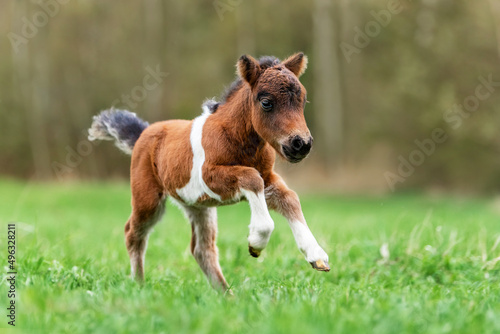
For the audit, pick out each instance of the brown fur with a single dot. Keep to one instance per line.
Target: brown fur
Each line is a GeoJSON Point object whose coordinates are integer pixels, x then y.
{"type": "Point", "coordinates": [282, 199]}
{"type": "Point", "coordinates": [239, 139]}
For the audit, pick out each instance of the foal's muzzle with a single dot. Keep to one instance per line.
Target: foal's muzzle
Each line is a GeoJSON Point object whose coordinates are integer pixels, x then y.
{"type": "Point", "coordinates": [297, 148]}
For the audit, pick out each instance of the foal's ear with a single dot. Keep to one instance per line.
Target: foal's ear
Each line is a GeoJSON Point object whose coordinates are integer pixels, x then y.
{"type": "Point", "coordinates": [296, 63]}
{"type": "Point", "coordinates": [248, 69]}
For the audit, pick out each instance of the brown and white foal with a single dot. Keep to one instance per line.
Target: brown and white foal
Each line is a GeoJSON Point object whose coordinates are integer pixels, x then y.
{"type": "Point", "coordinates": [221, 157]}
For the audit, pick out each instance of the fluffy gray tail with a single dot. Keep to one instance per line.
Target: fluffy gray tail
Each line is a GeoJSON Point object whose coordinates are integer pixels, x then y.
{"type": "Point", "coordinates": [122, 126]}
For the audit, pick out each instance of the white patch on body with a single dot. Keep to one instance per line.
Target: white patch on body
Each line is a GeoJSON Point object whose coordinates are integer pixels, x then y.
{"type": "Point", "coordinates": [196, 187]}
{"type": "Point", "coordinates": [306, 242]}
{"type": "Point", "coordinates": [261, 224]}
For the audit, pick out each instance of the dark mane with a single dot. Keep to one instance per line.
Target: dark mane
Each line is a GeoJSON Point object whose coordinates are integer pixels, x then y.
{"type": "Point", "coordinates": [268, 61]}
{"type": "Point", "coordinates": [264, 62]}
{"type": "Point", "coordinates": [233, 88]}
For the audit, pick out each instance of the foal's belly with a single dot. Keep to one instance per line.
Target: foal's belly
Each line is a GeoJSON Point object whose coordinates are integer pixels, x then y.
{"type": "Point", "coordinates": [196, 196]}
{"type": "Point", "coordinates": [197, 193]}
{"type": "Point", "coordinates": [207, 201]}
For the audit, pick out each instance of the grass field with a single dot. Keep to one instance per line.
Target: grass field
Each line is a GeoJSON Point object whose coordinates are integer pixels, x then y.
{"type": "Point", "coordinates": [441, 274]}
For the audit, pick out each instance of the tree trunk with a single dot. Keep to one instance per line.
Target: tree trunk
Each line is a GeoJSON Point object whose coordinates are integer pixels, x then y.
{"type": "Point", "coordinates": [327, 99]}
{"type": "Point", "coordinates": [153, 19]}
{"type": "Point", "coordinates": [352, 80]}
{"type": "Point", "coordinates": [495, 11]}
{"type": "Point", "coordinates": [246, 30]}
{"type": "Point", "coordinates": [40, 106]}
{"type": "Point", "coordinates": [32, 80]}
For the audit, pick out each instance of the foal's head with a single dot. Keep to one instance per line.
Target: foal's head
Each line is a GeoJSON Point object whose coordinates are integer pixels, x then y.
{"type": "Point", "coordinates": [278, 100]}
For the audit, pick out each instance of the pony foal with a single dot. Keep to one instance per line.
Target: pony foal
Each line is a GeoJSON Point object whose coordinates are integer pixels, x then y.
{"type": "Point", "coordinates": [221, 157]}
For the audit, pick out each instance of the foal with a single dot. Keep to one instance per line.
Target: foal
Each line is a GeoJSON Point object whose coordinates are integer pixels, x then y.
{"type": "Point", "coordinates": [221, 157]}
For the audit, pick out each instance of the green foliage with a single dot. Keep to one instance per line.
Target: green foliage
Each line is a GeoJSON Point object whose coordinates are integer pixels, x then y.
{"type": "Point", "coordinates": [442, 273]}
{"type": "Point", "coordinates": [413, 84]}
{"type": "Point", "coordinates": [396, 89]}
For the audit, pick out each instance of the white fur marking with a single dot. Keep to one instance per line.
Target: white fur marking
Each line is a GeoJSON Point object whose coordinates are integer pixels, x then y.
{"type": "Point", "coordinates": [261, 224]}
{"type": "Point", "coordinates": [196, 187]}
{"type": "Point", "coordinates": [306, 242]}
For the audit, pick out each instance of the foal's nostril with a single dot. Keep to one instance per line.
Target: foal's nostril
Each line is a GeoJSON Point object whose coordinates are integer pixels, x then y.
{"type": "Point", "coordinates": [308, 145]}
{"type": "Point", "coordinates": [297, 148]}
{"type": "Point", "coordinates": [297, 143]}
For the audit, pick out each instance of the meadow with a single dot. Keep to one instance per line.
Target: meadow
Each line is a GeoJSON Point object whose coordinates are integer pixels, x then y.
{"type": "Point", "coordinates": [405, 263]}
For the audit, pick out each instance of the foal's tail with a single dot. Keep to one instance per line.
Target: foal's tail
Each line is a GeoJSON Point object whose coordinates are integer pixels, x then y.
{"type": "Point", "coordinates": [122, 126]}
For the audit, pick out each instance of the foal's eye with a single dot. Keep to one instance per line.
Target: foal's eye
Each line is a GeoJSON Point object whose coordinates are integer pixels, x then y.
{"type": "Point", "coordinates": [266, 105]}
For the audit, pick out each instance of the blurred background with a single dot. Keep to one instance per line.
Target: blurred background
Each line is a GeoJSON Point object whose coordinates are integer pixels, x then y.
{"type": "Point", "coordinates": [403, 94]}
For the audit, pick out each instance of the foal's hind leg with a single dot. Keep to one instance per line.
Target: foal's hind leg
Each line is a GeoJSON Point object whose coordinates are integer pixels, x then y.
{"type": "Point", "coordinates": [203, 247]}
{"type": "Point", "coordinates": [148, 205]}
{"type": "Point", "coordinates": [137, 232]}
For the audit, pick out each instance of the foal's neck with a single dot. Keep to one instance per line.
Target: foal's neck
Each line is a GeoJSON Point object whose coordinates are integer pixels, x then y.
{"type": "Point", "coordinates": [236, 117]}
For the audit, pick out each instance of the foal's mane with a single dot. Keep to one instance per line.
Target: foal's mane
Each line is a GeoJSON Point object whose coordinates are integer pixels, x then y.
{"type": "Point", "coordinates": [212, 104]}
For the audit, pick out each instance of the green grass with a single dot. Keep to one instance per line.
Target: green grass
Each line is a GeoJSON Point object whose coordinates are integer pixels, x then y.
{"type": "Point", "coordinates": [441, 275]}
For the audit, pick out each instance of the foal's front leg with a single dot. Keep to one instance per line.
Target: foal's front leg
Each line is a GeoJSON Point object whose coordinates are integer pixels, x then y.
{"type": "Point", "coordinates": [230, 182]}
{"type": "Point", "coordinates": [280, 198]}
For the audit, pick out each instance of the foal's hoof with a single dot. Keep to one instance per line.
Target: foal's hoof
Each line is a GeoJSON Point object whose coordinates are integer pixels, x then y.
{"type": "Point", "coordinates": [254, 252]}
{"type": "Point", "coordinates": [320, 265]}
